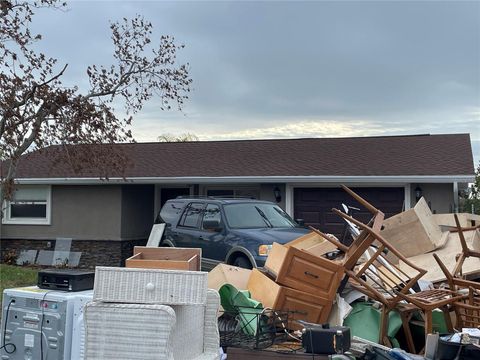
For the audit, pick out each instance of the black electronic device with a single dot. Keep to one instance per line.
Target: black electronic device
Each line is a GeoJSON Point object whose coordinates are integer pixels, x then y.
{"type": "Point", "coordinates": [322, 339]}
{"type": "Point", "coordinates": [65, 279]}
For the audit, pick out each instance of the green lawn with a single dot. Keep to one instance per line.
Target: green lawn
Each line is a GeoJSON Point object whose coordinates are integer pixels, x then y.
{"type": "Point", "coordinates": [16, 276]}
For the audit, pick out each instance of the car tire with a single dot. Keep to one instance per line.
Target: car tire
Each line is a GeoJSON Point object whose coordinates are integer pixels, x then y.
{"type": "Point", "coordinates": [243, 262]}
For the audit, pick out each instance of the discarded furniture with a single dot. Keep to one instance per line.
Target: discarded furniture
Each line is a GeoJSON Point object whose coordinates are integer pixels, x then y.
{"type": "Point", "coordinates": [388, 279]}
{"type": "Point", "coordinates": [468, 310]}
{"type": "Point", "coordinates": [300, 270]}
{"type": "Point", "coordinates": [128, 331]}
{"type": "Point", "coordinates": [304, 306]}
{"type": "Point", "coordinates": [470, 267]}
{"type": "Point", "coordinates": [468, 305]}
{"type": "Point", "coordinates": [312, 243]}
{"type": "Point", "coordinates": [149, 286]}
{"type": "Point", "coordinates": [165, 258]}
{"type": "Point", "coordinates": [141, 331]}
{"type": "Point", "coordinates": [196, 336]}
{"type": "Point", "coordinates": [466, 251]}
{"type": "Point", "coordinates": [194, 309]}
{"type": "Point", "coordinates": [428, 300]}
{"type": "Point", "coordinates": [455, 283]}
{"type": "Point", "coordinates": [414, 225]}
{"type": "Point", "coordinates": [378, 277]}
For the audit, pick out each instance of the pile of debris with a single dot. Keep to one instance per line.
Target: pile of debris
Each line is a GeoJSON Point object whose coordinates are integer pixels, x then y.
{"type": "Point", "coordinates": [385, 279]}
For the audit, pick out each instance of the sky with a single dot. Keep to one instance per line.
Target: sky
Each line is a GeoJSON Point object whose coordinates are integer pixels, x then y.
{"type": "Point", "coordinates": [279, 69]}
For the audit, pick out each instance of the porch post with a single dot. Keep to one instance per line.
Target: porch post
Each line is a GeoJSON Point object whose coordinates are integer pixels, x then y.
{"type": "Point", "coordinates": [408, 196]}
{"type": "Point", "coordinates": [289, 199]}
{"type": "Point", "coordinates": [455, 197]}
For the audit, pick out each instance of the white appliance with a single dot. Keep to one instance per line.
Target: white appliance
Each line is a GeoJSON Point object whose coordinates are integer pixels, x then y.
{"type": "Point", "coordinates": [32, 314]}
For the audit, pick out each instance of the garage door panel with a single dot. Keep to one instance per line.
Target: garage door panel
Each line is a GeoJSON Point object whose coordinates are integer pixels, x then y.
{"type": "Point", "coordinates": [330, 218]}
{"type": "Point", "coordinates": [314, 205]}
{"type": "Point", "coordinates": [309, 217]}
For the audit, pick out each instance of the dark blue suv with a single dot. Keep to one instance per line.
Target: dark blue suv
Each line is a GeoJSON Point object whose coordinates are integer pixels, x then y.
{"type": "Point", "coordinates": [239, 232]}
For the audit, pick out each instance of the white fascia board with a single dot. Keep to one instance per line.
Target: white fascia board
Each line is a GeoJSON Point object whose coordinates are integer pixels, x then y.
{"type": "Point", "coordinates": [254, 179]}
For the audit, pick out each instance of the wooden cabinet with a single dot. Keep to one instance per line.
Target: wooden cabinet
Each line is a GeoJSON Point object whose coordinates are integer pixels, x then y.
{"type": "Point", "coordinates": [305, 306]}
{"type": "Point", "coordinates": [303, 271]}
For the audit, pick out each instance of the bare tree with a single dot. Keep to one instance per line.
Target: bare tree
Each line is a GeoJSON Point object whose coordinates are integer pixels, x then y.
{"type": "Point", "coordinates": [186, 137]}
{"type": "Point", "coordinates": [37, 111]}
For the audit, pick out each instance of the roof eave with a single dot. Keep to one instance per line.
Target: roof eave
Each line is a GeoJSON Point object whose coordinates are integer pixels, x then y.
{"type": "Point", "coordinates": [251, 179]}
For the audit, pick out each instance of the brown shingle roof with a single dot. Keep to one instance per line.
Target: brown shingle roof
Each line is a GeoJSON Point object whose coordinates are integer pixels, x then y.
{"type": "Point", "coordinates": [362, 156]}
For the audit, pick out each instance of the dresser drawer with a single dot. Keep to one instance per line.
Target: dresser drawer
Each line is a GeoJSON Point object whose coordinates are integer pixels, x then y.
{"type": "Point", "coordinates": [303, 271]}
{"type": "Point", "coordinates": [150, 286]}
{"type": "Point", "coordinates": [305, 306]}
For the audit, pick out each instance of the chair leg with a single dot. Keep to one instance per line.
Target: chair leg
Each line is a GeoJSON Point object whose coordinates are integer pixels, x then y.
{"type": "Point", "coordinates": [406, 316]}
{"type": "Point", "coordinates": [383, 336]}
{"type": "Point", "coordinates": [428, 322]}
{"type": "Point", "coordinates": [448, 318]}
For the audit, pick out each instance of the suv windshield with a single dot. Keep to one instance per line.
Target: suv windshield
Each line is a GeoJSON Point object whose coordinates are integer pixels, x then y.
{"type": "Point", "coordinates": [251, 216]}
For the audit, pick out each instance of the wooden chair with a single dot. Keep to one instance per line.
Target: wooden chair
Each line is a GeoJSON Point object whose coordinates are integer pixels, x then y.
{"type": "Point", "coordinates": [466, 251]}
{"type": "Point", "coordinates": [383, 280]}
{"type": "Point", "coordinates": [379, 278]}
{"type": "Point", "coordinates": [455, 283]}
{"type": "Point", "coordinates": [466, 305]}
{"type": "Point", "coordinates": [468, 310]}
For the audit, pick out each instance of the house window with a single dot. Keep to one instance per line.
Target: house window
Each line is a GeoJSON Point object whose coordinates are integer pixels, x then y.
{"type": "Point", "coordinates": [234, 192]}
{"type": "Point", "coordinates": [30, 206]}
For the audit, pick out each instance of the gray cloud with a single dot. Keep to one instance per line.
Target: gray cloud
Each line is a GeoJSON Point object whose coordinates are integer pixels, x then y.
{"type": "Point", "coordinates": [373, 67]}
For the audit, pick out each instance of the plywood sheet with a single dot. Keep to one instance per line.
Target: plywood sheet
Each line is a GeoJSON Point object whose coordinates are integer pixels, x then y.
{"type": "Point", "coordinates": [447, 255]}
{"type": "Point", "coordinates": [465, 219]}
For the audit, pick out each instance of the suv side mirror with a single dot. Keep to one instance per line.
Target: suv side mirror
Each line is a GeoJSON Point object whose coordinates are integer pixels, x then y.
{"type": "Point", "coordinates": [213, 224]}
{"type": "Point", "coordinates": [300, 222]}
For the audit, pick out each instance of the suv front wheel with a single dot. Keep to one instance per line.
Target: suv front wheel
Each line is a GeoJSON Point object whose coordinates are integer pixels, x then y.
{"type": "Point", "coordinates": [242, 261]}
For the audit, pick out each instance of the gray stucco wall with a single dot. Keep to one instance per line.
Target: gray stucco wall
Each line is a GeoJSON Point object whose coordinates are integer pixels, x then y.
{"type": "Point", "coordinates": [438, 196]}
{"type": "Point", "coordinates": [266, 193]}
{"type": "Point", "coordinates": [137, 211]}
{"type": "Point", "coordinates": [78, 212]}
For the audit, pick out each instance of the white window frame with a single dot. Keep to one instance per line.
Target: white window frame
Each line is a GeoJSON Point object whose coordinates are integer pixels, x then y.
{"type": "Point", "coordinates": [235, 188]}
{"type": "Point", "coordinates": [8, 220]}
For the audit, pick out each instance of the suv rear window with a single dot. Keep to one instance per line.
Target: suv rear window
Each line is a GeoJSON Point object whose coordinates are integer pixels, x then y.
{"type": "Point", "coordinates": [191, 215]}
{"type": "Point", "coordinates": [170, 211]}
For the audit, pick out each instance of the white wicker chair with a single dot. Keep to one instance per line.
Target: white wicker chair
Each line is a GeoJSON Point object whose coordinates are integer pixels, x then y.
{"type": "Point", "coordinates": [193, 329]}
{"type": "Point", "coordinates": [128, 331]}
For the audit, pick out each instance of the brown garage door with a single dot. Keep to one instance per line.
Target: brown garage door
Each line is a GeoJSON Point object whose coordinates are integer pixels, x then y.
{"type": "Point", "coordinates": [314, 205]}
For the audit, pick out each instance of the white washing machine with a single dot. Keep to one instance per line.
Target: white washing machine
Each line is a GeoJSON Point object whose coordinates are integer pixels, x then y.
{"type": "Point", "coordinates": [55, 317]}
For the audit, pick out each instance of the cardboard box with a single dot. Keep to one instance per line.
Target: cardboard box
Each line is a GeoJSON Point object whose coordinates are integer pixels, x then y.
{"type": "Point", "coordinates": [304, 306]}
{"type": "Point", "coordinates": [303, 271]}
{"type": "Point", "coordinates": [165, 258]}
{"type": "Point", "coordinates": [227, 274]}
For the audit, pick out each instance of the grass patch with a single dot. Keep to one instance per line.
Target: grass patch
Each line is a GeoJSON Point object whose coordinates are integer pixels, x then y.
{"type": "Point", "coordinates": [16, 276]}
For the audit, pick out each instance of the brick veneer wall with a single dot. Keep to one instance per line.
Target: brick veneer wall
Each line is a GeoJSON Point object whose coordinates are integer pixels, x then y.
{"type": "Point", "coordinates": [94, 252]}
